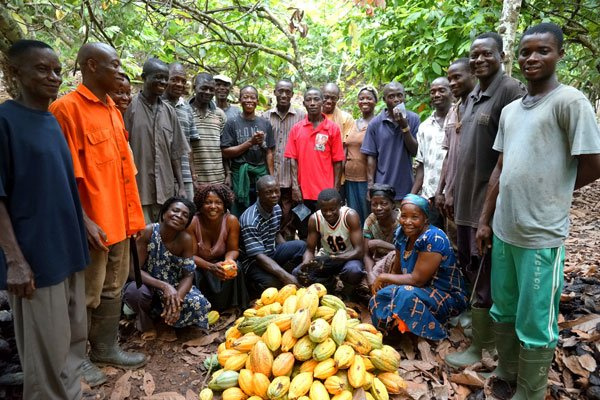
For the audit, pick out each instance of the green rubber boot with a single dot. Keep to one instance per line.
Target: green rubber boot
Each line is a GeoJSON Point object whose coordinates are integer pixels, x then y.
{"type": "Point", "coordinates": [483, 338]}
{"type": "Point", "coordinates": [533, 373]}
{"type": "Point", "coordinates": [103, 337]}
{"type": "Point", "coordinates": [91, 373]}
{"type": "Point", "coordinates": [507, 345]}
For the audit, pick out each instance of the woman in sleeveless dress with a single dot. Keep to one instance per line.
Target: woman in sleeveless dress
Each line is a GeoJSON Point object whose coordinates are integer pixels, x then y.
{"type": "Point", "coordinates": [165, 252]}
{"type": "Point", "coordinates": [215, 232]}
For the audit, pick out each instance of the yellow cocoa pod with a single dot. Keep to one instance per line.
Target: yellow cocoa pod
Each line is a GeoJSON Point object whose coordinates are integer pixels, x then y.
{"type": "Point", "coordinates": [236, 362]}
{"type": "Point", "coordinates": [245, 382]}
{"type": "Point", "coordinates": [290, 305]}
{"type": "Point", "coordinates": [272, 337]}
{"type": "Point", "coordinates": [205, 394]}
{"type": "Point", "coordinates": [319, 330]}
{"type": "Point", "coordinates": [283, 364]}
{"type": "Point", "coordinates": [303, 398]}
{"type": "Point", "coordinates": [310, 301]}
{"type": "Point", "coordinates": [303, 349]}
{"type": "Point", "coordinates": [368, 380]}
{"type": "Point", "coordinates": [351, 313]}
{"type": "Point", "coordinates": [287, 341]}
{"type": "Point", "coordinates": [376, 340]}
{"type": "Point", "coordinates": [300, 322]}
{"type": "Point", "coordinates": [308, 366]}
{"type": "Point", "coordinates": [262, 358]}
{"type": "Point", "coordinates": [246, 342]}
{"type": "Point", "coordinates": [212, 317]}
{"type": "Point", "coordinates": [318, 288]}
{"type": "Point", "coordinates": [325, 369]}
{"type": "Point", "coordinates": [223, 379]}
{"type": "Point", "coordinates": [339, 326]}
{"type": "Point", "coordinates": [285, 292]}
{"type": "Point", "coordinates": [353, 322]}
{"type": "Point", "coordinates": [318, 391]}
{"type": "Point", "coordinates": [368, 364]}
{"type": "Point", "coordinates": [222, 347]}
{"type": "Point", "coordinates": [325, 312]}
{"type": "Point", "coordinates": [366, 328]}
{"type": "Point", "coordinates": [270, 309]}
{"type": "Point", "coordinates": [254, 398]}
{"type": "Point", "coordinates": [224, 355]}
{"type": "Point", "coordinates": [234, 393]}
{"type": "Point", "coordinates": [356, 372]}
{"type": "Point", "coordinates": [283, 321]}
{"type": "Point", "coordinates": [385, 359]}
{"type": "Point", "coordinates": [392, 381]}
{"type": "Point", "coordinates": [268, 296]}
{"type": "Point", "coordinates": [335, 385]}
{"type": "Point", "coordinates": [250, 312]}
{"type": "Point", "coordinates": [278, 388]}
{"type": "Point", "coordinates": [300, 292]}
{"type": "Point", "coordinates": [324, 350]}
{"type": "Point", "coordinates": [233, 333]}
{"type": "Point", "coordinates": [368, 396]}
{"type": "Point", "coordinates": [358, 341]}
{"type": "Point", "coordinates": [345, 395]}
{"type": "Point", "coordinates": [343, 356]}
{"type": "Point", "coordinates": [378, 390]}
{"type": "Point", "coordinates": [333, 302]}
{"type": "Point", "coordinates": [260, 384]}
{"type": "Point", "coordinates": [300, 385]}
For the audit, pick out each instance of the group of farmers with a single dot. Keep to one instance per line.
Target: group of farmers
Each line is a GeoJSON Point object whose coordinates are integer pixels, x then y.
{"type": "Point", "coordinates": [167, 206]}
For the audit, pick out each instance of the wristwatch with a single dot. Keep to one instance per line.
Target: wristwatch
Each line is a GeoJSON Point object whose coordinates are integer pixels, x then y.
{"type": "Point", "coordinates": [406, 130]}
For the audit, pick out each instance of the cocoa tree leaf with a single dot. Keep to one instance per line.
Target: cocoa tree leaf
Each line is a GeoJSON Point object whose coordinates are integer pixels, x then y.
{"type": "Point", "coordinates": [573, 365]}
{"type": "Point", "coordinates": [148, 385]}
{"type": "Point", "coordinates": [587, 362]}
{"type": "Point", "coordinates": [122, 388]}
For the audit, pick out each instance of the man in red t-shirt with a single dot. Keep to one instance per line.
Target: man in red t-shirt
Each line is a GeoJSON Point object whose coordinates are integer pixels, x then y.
{"type": "Point", "coordinates": [316, 152]}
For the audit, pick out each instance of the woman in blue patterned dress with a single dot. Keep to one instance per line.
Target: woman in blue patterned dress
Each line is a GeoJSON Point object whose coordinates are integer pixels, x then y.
{"type": "Point", "coordinates": [425, 287]}
{"type": "Point", "coordinates": [165, 252]}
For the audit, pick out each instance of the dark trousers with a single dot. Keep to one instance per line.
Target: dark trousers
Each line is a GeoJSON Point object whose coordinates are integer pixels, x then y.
{"type": "Point", "coordinates": [469, 261]}
{"type": "Point", "coordinates": [288, 255]}
{"type": "Point", "coordinates": [350, 272]}
{"type": "Point", "coordinates": [303, 225]}
{"type": "Point", "coordinates": [140, 301]}
{"type": "Point", "coordinates": [288, 225]}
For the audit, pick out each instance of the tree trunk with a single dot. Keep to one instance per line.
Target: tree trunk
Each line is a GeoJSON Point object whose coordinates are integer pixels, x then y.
{"type": "Point", "coordinates": [509, 21]}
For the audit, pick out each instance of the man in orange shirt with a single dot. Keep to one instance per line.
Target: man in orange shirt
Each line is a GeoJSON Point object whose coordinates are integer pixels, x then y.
{"type": "Point", "coordinates": [105, 175]}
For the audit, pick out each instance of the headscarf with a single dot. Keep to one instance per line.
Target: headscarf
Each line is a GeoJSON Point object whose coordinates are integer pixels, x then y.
{"type": "Point", "coordinates": [369, 89]}
{"type": "Point", "coordinates": [418, 201]}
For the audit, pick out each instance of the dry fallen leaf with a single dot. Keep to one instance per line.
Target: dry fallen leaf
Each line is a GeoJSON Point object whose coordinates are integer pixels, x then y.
{"type": "Point", "coordinates": [587, 362]}
{"type": "Point", "coordinates": [469, 378]}
{"type": "Point", "coordinates": [572, 363]}
{"type": "Point", "coordinates": [202, 341]}
{"type": "Point", "coordinates": [190, 395]}
{"type": "Point", "coordinates": [359, 394]}
{"type": "Point", "coordinates": [122, 388]}
{"type": "Point", "coordinates": [165, 396]}
{"type": "Point", "coordinates": [149, 386]}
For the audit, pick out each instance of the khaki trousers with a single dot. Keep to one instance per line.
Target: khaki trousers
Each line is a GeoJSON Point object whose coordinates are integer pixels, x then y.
{"type": "Point", "coordinates": [51, 334]}
{"type": "Point", "coordinates": [107, 273]}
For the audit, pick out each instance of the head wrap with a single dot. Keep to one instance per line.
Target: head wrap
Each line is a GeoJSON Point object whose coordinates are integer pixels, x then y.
{"type": "Point", "coordinates": [381, 189]}
{"type": "Point", "coordinates": [369, 89]}
{"type": "Point", "coordinates": [418, 201]}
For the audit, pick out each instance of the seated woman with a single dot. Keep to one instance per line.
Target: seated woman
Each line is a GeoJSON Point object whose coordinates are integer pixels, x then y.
{"type": "Point", "coordinates": [378, 231]}
{"type": "Point", "coordinates": [216, 235]}
{"type": "Point", "coordinates": [426, 286]}
{"type": "Point", "coordinates": [165, 254]}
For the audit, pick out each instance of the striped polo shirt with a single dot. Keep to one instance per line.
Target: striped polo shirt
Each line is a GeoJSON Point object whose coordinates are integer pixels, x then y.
{"type": "Point", "coordinates": [208, 161]}
{"type": "Point", "coordinates": [258, 229]}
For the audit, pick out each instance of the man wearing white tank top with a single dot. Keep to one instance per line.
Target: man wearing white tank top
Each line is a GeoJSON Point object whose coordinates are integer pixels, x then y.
{"type": "Point", "coordinates": [338, 230]}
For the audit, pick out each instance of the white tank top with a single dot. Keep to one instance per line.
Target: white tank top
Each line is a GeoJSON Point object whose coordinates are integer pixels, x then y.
{"type": "Point", "coordinates": [335, 239]}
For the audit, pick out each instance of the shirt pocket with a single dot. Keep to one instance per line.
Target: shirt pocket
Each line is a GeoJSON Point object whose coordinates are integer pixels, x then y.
{"type": "Point", "coordinates": [101, 149]}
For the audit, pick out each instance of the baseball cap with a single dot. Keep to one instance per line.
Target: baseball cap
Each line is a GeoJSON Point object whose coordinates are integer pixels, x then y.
{"type": "Point", "coordinates": [222, 78]}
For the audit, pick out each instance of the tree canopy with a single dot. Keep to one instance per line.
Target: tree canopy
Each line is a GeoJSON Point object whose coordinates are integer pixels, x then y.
{"type": "Point", "coordinates": [258, 42]}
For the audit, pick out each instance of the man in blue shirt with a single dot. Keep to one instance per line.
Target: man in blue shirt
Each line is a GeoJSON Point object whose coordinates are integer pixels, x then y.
{"type": "Point", "coordinates": [267, 260]}
{"type": "Point", "coordinates": [43, 245]}
{"type": "Point", "coordinates": [390, 143]}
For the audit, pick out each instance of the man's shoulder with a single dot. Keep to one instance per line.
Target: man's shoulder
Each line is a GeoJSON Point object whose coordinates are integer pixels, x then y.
{"type": "Point", "coordinates": [510, 85]}
{"type": "Point", "coordinates": [70, 101]}
{"type": "Point", "coordinates": [248, 216]}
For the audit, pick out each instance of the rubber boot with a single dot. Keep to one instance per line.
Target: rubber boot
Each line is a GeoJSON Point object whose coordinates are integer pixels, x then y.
{"type": "Point", "coordinates": [507, 345]}
{"type": "Point", "coordinates": [103, 338]}
{"type": "Point", "coordinates": [91, 373]}
{"type": "Point", "coordinates": [483, 338]}
{"type": "Point", "coordinates": [533, 373]}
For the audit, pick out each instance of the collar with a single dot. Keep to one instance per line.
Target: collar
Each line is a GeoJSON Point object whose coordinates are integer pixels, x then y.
{"type": "Point", "coordinates": [143, 98]}
{"type": "Point", "coordinates": [306, 121]}
{"type": "Point", "coordinates": [87, 93]}
{"type": "Point", "coordinates": [263, 213]}
{"type": "Point", "coordinates": [477, 94]}
{"type": "Point", "coordinates": [385, 115]}
{"type": "Point", "coordinates": [291, 110]}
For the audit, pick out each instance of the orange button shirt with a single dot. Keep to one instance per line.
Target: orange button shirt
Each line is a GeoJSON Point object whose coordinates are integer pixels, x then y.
{"type": "Point", "coordinates": [102, 162]}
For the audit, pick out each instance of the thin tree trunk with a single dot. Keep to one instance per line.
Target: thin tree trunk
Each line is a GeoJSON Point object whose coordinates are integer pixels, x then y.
{"type": "Point", "coordinates": [509, 22]}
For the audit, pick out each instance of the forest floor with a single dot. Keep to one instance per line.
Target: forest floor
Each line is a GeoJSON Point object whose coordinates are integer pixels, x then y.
{"type": "Point", "coordinates": [175, 368]}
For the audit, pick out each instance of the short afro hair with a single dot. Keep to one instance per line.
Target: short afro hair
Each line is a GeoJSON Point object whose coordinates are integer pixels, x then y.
{"type": "Point", "coordinates": [463, 62]}
{"type": "Point", "coordinates": [177, 199]}
{"type": "Point", "coordinates": [328, 195]}
{"type": "Point", "coordinates": [495, 37]}
{"type": "Point", "coordinates": [546, 27]}
{"type": "Point", "coordinates": [22, 46]}
{"type": "Point", "coordinates": [223, 191]}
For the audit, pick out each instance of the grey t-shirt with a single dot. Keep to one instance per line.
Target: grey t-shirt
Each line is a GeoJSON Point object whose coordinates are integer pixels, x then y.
{"type": "Point", "coordinates": [540, 142]}
{"type": "Point", "coordinates": [238, 130]}
{"type": "Point", "coordinates": [476, 159]}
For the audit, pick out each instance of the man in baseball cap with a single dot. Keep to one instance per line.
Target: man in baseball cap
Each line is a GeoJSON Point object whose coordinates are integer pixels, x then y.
{"type": "Point", "coordinates": [222, 89]}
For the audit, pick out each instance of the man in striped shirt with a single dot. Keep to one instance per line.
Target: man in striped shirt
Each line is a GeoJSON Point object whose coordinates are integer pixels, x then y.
{"type": "Point", "coordinates": [209, 121]}
{"type": "Point", "coordinates": [282, 117]}
{"type": "Point", "coordinates": [266, 259]}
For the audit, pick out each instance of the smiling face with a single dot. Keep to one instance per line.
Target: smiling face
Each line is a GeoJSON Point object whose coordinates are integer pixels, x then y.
{"type": "Point", "coordinates": [39, 74]}
{"type": "Point", "coordinates": [485, 58]}
{"type": "Point", "coordinates": [155, 80]}
{"type": "Point", "coordinates": [331, 95]}
{"type": "Point", "coordinates": [412, 219]}
{"type": "Point", "coordinates": [313, 102]}
{"type": "Point", "coordinates": [213, 206]}
{"type": "Point", "coordinates": [176, 84]}
{"type": "Point", "coordinates": [440, 94]}
{"type": "Point", "coordinates": [330, 210]}
{"type": "Point", "coordinates": [269, 194]}
{"type": "Point", "coordinates": [122, 96]}
{"type": "Point", "coordinates": [204, 90]}
{"type": "Point", "coordinates": [249, 100]}
{"type": "Point", "coordinates": [461, 80]}
{"type": "Point", "coordinates": [222, 90]}
{"type": "Point", "coordinates": [366, 102]}
{"type": "Point", "coordinates": [284, 91]}
{"type": "Point", "coordinates": [538, 55]}
{"type": "Point", "coordinates": [176, 216]}
{"type": "Point", "coordinates": [107, 68]}
{"type": "Point", "coordinates": [382, 207]}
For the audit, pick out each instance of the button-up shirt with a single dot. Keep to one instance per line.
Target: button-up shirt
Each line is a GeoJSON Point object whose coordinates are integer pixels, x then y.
{"type": "Point", "coordinates": [282, 124]}
{"type": "Point", "coordinates": [431, 154]}
{"type": "Point", "coordinates": [157, 143]}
